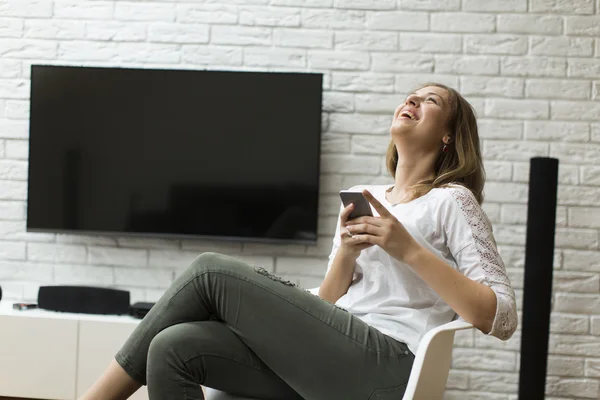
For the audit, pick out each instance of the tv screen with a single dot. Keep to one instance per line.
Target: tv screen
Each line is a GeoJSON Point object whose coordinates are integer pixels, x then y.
{"type": "Point", "coordinates": [210, 154]}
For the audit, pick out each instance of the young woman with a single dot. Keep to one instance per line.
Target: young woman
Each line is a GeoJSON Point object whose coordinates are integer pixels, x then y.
{"type": "Point", "coordinates": [427, 255]}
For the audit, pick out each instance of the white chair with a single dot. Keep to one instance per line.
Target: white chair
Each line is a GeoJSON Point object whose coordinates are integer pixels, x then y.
{"type": "Point", "coordinates": [429, 372]}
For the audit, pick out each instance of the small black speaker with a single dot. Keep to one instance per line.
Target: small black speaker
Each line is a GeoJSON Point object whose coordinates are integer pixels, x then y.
{"type": "Point", "coordinates": [83, 299]}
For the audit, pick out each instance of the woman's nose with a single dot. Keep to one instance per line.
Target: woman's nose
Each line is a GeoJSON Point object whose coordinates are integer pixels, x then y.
{"type": "Point", "coordinates": [412, 100]}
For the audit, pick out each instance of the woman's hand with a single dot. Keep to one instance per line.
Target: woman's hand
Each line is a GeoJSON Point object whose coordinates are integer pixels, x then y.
{"type": "Point", "coordinates": [348, 246]}
{"type": "Point", "coordinates": [384, 231]}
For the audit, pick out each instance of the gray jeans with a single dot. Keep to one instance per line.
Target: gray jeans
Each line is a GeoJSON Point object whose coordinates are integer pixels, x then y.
{"type": "Point", "coordinates": [231, 326]}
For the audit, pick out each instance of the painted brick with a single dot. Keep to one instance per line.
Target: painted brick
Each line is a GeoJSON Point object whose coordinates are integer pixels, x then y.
{"type": "Point", "coordinates": [431, 42]}
{"type": "Point", "coordinates": [65, 274]}
{"type": "Point", "coordinates": [18, 270]}
{"type": "Point", "coordinates": [57, 253]}
{"type": "Point", "coordinates": [530, 66]}
{"type": "Point", "coordinates": [12, 250]}
{"type": "Point", "coordinates": [576, 282]}
{"type": "Point", "coordinates": [514, 214]}
{"type": "Point", "coordinates": [274, 57]}
{"type": "Point", "coordinates": [366, 4]}
{"type": "Point", "coordinates": [563, 6]}
{"type": "Point", "coordinates": [364, 82]}
{"type": "Point", "coordinates": [26, 8]}
{"type": "Point", "coordinates": [87, 51]}
{"type": "Point", "coordinates": [469, 65]}
{"type": "Point", "coordinates": [595, 132]}
{"type": "Point", "coordinates": [11, 28]}
{"type": "Point", "coordinates": [463, 22]}
{"type": "Point", "coordinates": [270, 17]}
{"type": "Point", "coordinates": [583, 153]}
{"type": "Point", "coordinates": [487, 86]}
{"type": "Point", "coordinates": [17, 149]}
{"type": "Point", "coordinates": [495, 5]}
{"type": "Point", "coordinates": [13, 170]}
{"type": "Point", "coordinates": [116, 256]}
{"type": "Point", "coordinates": [565, 366]}
{"type": "Point", "coordinates": [587, 388]}
{"type": "Point", "coordinates": [165, 258]}
{"type": "Point", "coordinates": [429, 5]}
{"type": "Point", "coordinates": [462, 395]}
{"type": "Point", "coordinates": [177, 33]}
{"type": "Point", "coordinates": [360, 123]}
{"type": "Point", "coordinates": [574, 345]}
{"type": "Point", "coordinates": [577, 303]}
{"type": "Point", "coordinates": [578, 195]}
{"type": "Point", "coordinates": [338, 102]}
{"type": "Point", "coordinates": [398, 21]}
{"type": "Point", "coordinates": [27, 48]}
{"type": "Point", "coordinates": [549, 88]}
{"type": "Point", "coordinates": [350, 164]}
{"type": "Point", "coordinates": [369, 144]}
{"type": "Point", "coordinates": [303, 3]}
{"type": "Point", "coordinates": [590, 175]}
{"type": "Point", "coordinates": [557, 131]}
{"type": "Point", "coordinates": [498, 170]}
{"type": "Point", "coordinates": [212, 55]}
{"type": "Point", "coordinates": [562, 46]}
{"type": "Point", "coordinates": [335, 143]}
{"type": "Point", "coordinates": [86, 239]}
{"type": "Point", "coordinates": [402, 62]}
{"type": "Point", "coordinates": [340, 60]}
{"type": "Point", "coordinates": [595, 325]}
{"type": "Point", "coordinates": [374, 41]}
{"type": "Point", "coordinates": [240, 35]}
{"type": "Point", "coordinates": [523, 23]}
{"type": "Point", "coordinates": [338, 19]}
{"type": "Point", "coordinates": [489, 360]}
{"type": "Point", "coordinates": [592, 368]}
{"type": "Point", "coordinates": [115, 31]}
{"type": "Point", "coordinates": [16, 230]}
{"type": "Point", "coordinates": [575, 110]}
{"type": "Point", "coordinates": [266, 249]}
{"type": "Point", "coordinates": [499, 129]}
{"type": "Point", "coordinates": [10, 68]}
{"type": "Point", "coordinates": [139, 277]}
{"type": "Point", "coordinates": [207, 13]}
{"type": "Point", "coordinates": [580, 260]}
{"type": "Point", "coordinates": [13, 210]}
{"type": "Point", "coordinates": [494, 382]}
{"type": "Point", "coordinates": [303, 38]}
{"type": "Point", "coordinates": [85, 10]}
{"type": "Point", "coordinates": [144, 11]}
{"type": "Point", "coordinates": [378, 103]}
{"type": "Point", "coordinates": [495, 44]}
{"type": "Point", "coordinates": [506, 192]}
{"type": "Point", "coordinates": [17, 109]}
{"type": "Point", "coordinates": [11, 190]}
{"type": "Point", "coordinates": [14, 89]}
{"type": "Point", "coordinates": [584, 26]}
{"type": "Point", "coordinates": [513, 108]}
{"type": "Point", "coordinates": [202, 246]}
{"type": "Point", "coordinates": [406, 83]}
{"type": "Point", "coordinates": [303, 266]}
{"type": "Point", "coordinates": [584, 68]}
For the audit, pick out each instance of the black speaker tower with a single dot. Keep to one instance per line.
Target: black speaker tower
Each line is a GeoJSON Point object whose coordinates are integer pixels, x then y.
{"type": "Point", "coordinates": [537, 292]}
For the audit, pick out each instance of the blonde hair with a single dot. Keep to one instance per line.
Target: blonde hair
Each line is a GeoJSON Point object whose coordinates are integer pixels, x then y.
{"type": "Point", "coordinates": [462, 164]}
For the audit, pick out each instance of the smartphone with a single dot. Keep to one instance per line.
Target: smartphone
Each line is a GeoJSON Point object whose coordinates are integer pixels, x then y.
{"type": "Point", "coordinates": [24, 306]}
{"type": "Point", "coordinates": [362, 206]}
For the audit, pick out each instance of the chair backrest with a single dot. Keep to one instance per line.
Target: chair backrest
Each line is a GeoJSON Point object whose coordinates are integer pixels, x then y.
{"type": "Point", "coordinates": [432, 362]}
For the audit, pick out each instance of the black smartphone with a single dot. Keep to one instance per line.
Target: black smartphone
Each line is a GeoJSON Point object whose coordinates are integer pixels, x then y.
{"type": "Point", "coordinates": [362, 206]}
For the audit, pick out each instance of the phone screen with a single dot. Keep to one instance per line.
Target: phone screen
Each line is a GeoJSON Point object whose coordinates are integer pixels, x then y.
{"type": "Point", "coordinates": [361, 204]}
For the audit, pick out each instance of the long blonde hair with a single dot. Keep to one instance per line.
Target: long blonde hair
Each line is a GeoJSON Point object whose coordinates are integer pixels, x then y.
{"type": "Point", "coordinates": [462, 164]}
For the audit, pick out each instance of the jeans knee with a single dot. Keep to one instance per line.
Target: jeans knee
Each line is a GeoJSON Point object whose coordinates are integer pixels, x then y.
{"type": "Point", "coordinates": [161, 346]}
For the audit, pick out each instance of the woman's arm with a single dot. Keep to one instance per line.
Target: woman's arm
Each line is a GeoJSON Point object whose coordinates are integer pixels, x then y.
{"type": "Point", "coordinates": [338, 279]}
{"type": "Point", "coordinates": [473, 301]}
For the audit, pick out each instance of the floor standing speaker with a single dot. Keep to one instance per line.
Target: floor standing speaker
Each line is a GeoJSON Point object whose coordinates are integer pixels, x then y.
{"type": "Point", "coordinates": [537, 292]}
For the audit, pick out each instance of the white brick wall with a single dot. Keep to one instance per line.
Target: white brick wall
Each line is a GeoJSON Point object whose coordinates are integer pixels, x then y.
{"type": "Point", "coordinates": [531, 68]}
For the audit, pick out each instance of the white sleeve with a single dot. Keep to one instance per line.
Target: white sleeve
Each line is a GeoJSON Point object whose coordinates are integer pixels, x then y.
{"type": "Point", "coordinates": [471, 242]}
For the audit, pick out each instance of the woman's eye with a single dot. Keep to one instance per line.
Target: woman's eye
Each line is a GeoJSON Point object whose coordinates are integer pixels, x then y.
{"type": "Point", "coordinates": [432, 99]}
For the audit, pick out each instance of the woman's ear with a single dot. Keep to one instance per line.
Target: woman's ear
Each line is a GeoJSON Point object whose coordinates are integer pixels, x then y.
{"type": "Point", "coordinates": [447, 139]}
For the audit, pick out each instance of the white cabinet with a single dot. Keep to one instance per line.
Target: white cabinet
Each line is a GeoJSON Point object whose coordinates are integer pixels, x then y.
{"type": "Point", "coordinates": [48, 355]}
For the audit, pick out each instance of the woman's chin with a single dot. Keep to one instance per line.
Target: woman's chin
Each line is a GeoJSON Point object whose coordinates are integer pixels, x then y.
{"type": "Point", "coordinates": [400, 128]}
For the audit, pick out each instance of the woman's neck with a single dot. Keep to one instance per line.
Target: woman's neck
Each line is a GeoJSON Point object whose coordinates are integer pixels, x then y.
{"type": "Point", "coordinates": [406, 176]}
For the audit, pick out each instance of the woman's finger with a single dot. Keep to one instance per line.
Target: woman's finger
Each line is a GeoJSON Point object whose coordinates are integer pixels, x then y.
{"type": "Point", "coordinates": [366, 220]}
{"type": "Point", "coordinates": [364, 228]}
{"type": "Point", "coordinates": [345, 213]}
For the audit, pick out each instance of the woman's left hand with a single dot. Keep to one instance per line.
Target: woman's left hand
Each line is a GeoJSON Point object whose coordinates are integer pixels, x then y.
{"type": "Point", "coordinates": [384, 231]}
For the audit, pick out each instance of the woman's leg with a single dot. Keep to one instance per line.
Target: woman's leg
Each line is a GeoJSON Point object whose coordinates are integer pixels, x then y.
{"type": "Point", "coordinates": [185, 355]}
{"type": "Point", "coordinates": [319, 350]}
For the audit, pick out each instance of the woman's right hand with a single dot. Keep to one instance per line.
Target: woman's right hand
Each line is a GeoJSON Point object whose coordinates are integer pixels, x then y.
{"type": "Point", "coordinates": [347, 245]}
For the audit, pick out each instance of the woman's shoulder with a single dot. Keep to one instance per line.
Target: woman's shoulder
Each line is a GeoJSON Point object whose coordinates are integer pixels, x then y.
{"type": "Point", "coordinates": [455, 195]}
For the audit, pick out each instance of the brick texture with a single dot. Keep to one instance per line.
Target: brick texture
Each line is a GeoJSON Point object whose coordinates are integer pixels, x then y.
{"type": "Point", "coordinates": [530, 68]}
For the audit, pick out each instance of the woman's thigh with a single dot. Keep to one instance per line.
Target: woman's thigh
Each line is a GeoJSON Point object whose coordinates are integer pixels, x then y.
{"type": "Point", "coordinates": [208, 353]}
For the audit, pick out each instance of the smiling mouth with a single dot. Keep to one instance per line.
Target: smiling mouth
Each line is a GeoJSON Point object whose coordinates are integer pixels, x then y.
{"type": "Point", "coordinates": [409, 115]}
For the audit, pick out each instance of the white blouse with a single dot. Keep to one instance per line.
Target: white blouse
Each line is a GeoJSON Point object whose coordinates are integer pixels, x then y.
{"type": "Point", "coordinates": [388, 295]}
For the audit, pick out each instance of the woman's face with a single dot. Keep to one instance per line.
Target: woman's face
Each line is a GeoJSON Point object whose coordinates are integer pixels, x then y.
{"type": "Point", "coordinates": [422, 118]}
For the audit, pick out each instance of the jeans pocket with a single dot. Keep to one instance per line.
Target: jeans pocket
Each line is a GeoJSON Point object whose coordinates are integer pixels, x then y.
{"type": "Point", "coordinates": [393, 393]}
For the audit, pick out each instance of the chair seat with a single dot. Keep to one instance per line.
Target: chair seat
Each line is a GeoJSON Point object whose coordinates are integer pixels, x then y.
{"type": "Point", "coordinates": [214, 394]}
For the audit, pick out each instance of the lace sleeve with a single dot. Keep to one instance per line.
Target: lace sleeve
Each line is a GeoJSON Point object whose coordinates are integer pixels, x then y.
{"type": "Point", "coordinates": [471, 241]}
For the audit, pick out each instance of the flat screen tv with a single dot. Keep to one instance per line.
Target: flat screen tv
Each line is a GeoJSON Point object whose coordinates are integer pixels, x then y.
{"type": "Point", "coordinates": [178, 153]}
